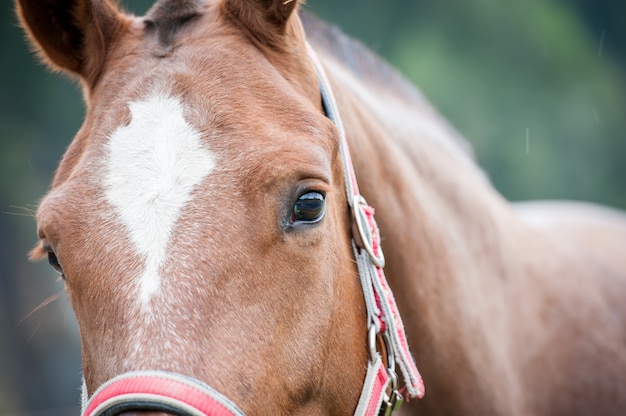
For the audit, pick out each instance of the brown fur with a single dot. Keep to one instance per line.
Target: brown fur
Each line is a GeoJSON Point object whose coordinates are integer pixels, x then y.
{"type": "Point", "coordinates": [509, 310]}
{"type": "Point", "coordinates": [265, 20]}
{"type": "Point", "coordinates": [71, 35]}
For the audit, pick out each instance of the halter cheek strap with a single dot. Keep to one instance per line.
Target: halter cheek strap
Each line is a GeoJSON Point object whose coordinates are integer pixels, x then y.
{"type": "Point", "coordinates": [184, 396]}
{"type": "Point", "coordinates": [380, 392]}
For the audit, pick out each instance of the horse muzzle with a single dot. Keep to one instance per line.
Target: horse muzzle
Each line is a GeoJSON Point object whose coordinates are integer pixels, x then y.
{"type": "Point", "coordinates": [158, 392]}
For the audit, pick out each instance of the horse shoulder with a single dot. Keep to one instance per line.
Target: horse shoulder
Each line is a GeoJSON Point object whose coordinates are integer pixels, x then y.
{"type": "Point", "coordinates": [592, 229]}
{"type": "Point", "coordinates": [577, 282]}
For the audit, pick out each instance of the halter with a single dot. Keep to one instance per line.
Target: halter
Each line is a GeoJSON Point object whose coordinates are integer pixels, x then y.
{"type": "Point", "coordinates": [380, 394]}
{"type": "Point", "coordinates": [184, 396]}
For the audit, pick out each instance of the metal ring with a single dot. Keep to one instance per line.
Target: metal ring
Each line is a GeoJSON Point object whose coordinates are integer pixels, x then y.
{"type": "Point", "coordinates": [358, 204]}
{"type": "Point", "coordinates": [371, 343]}
{"type": "Point", "coordinates": [391, 356]}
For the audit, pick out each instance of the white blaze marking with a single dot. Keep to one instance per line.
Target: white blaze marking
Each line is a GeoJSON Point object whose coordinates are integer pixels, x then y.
{"type": "Point", "coordinates": [153, 165]}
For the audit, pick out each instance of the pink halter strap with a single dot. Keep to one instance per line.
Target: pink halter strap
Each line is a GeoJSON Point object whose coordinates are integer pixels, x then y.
{"type": "Point", "coordinates": [159, 391]}
{"type": "Point", "coordinates": [384, 320]}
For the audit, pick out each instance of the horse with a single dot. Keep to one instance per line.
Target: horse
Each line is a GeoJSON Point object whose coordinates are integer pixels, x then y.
{"type": "Point", "coordinates": [206, 240]}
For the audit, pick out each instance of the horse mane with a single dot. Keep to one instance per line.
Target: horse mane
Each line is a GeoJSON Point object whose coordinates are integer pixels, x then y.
{"type": "Point", "coordinates": [369, 67]}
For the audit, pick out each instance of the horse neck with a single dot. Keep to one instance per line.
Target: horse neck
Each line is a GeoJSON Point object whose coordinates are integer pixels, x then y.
{"type": "Point", "coordinates": [449, 238]}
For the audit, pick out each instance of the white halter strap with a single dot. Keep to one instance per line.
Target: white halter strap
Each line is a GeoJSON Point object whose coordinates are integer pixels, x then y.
{"type": "Point", "coordinates": [383, 317]}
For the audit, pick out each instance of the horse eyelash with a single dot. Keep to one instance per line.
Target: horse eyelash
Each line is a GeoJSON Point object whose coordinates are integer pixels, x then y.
{"type": "Point", "coordinates": [37, 253]}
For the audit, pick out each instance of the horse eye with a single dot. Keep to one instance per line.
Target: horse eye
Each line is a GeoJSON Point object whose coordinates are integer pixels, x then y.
{"type": "Point", "coordinates": [309, 207]}
{"type": "Point", "coordinates": [54, 262]}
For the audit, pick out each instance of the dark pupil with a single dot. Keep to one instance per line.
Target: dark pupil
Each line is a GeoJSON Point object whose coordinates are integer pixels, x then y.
{"type": "Point", "coordinates": [54, 262]}
{"type": "Point", "coordinates": [309, 207]}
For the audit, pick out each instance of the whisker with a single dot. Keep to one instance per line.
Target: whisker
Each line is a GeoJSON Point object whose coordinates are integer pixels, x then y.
{"type": "Point", "coordinates": [42, 305]}
{"type": "Point", "coordinates": [33, 333]}
{"type": "Point", "coordinates": [31, 213]}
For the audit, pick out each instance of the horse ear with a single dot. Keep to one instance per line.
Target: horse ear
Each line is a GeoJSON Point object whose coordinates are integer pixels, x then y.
{"type": "Point", "coordinates": [267, 20]}
{"type": "Point", "coordinates": [71, 35]}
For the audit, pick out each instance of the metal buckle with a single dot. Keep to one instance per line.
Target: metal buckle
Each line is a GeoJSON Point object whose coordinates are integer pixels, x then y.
{"type": "Point", "coordinates": [392, 400]}
{"type": "Point", "coordinates": [391, 404]}
{"type": "Point", "coordinates": [365, 239]}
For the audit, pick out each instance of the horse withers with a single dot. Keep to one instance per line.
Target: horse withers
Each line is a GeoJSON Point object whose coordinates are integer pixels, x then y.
{"type": "Point", "coordinates": [202, 226]}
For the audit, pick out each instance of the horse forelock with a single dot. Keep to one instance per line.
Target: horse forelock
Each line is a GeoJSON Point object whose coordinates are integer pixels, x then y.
{"type": "Point", "coordinates": [167, 17]}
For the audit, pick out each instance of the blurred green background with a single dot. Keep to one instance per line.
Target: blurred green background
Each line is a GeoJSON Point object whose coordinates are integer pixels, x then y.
{"type": "Point", "coordinates": [550, 73]}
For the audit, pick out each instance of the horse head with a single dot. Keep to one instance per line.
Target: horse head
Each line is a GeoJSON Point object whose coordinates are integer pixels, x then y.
{"type": "Point", "coordinates": [199, 217]}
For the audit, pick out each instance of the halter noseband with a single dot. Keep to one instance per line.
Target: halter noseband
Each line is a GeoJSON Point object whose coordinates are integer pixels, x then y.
{"type": "Point", "coordinates": [159, 391]}
{"type": "Point", "coordinates": [183, 396]}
